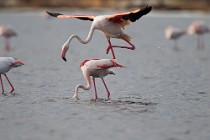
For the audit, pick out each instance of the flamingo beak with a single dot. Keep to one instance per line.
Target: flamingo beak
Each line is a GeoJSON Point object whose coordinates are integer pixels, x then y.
{"type": "Point", "coordinates": [64, 50]}
{"type": "Point", "coordinates": [17, 63]}
{"type": "Point", "coordinates": [63, 55]}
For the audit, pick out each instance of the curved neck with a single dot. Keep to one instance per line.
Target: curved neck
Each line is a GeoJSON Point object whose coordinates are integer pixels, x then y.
{"type": "Point", "coordinates": [89, 37]}
{"type": "Point", "coordinates": [87, 87]}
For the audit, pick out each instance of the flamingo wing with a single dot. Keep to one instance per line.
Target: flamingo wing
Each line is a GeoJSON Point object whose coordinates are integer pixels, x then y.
{"type": "Point", "coordinates": [101, 64]}
{"type": "Point", "coordinates": [82, 17]}
{"type": "Point", "coordinates": [104, 63]}
{"type": "Point", "coordinates": [128, 17]}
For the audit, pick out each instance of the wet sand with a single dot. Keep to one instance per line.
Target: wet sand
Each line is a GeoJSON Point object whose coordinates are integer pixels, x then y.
{"type": "Point", "coordinates": [162, 94]}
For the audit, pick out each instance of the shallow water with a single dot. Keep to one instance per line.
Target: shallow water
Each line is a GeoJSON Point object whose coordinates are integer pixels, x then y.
{"type": "Point", "coordinates": [162, 94]}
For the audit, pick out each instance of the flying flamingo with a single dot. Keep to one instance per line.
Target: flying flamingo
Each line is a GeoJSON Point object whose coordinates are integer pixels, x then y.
{"type": "Point", "coordinates": [111, 25]}
{"type": "Point", "coordinates": [174, 34]}
{"type": "Point", "coordinates": [96, 68]}
{"type": "Point", "coordinates": [198, 28]}
{"type": "Point", "coordinates": [7, 33]}
{"type": "Point", "coordinates": [6, 63]}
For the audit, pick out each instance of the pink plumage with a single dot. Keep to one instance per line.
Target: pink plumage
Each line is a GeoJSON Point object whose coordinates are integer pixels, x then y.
{"type": "Point", "coordinates": [199, 28]}
{"type": "Point", "coordinates": [96, 68]}
{"type": "Point", "coordinates": [111, 25]}
{"type": "Point", "coordinates": [173, 33]}
{"type": "Point", "coordinates": [7, 33]}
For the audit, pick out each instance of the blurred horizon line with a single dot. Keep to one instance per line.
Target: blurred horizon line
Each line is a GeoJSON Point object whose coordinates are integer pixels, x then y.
{"type": "Point", "coordinates": [202, 5]}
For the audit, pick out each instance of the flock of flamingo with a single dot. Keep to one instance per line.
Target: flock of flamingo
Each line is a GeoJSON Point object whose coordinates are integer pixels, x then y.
{"type": "Point", "coordinates": [197, 27]}
{"type": "Point", "coordinates": [113, 27]}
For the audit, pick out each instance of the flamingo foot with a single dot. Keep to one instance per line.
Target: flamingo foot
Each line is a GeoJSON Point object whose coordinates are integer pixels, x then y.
{"type": "Point", "coordinates": [108, 96]}
{"type": "Point", "coordinates": [95, 98]}
{"type": "Point", "coordinates": [4, 94]}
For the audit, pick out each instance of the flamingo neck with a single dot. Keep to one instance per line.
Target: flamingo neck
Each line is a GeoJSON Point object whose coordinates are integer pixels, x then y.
{"type": "Point", "coordinates": [87, 87]}
{"type": "Point", "coordinates": [89, 37]}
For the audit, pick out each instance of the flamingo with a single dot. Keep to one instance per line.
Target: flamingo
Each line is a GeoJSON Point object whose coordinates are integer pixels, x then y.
{"type": "Point", "coordinates": [111, 25]}
{"type": "Point", "coordinates": [96, 68]}
{"type": "Point", "coordinates": [174, 34]}
{"type": "Point", "coordinates": [198, 28]}
{"type": "Point", "coordinates": [7, 63]}
{"type": "Point", "coordinates": [7, 33]}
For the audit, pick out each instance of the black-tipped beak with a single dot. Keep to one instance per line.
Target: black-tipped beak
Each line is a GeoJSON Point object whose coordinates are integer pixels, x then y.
{"type": "Point", "coordinates": [64, 59]}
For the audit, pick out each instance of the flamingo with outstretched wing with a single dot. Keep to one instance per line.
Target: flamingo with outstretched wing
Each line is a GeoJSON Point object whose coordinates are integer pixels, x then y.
{"type": "Point", "coordinates": [111, 25]}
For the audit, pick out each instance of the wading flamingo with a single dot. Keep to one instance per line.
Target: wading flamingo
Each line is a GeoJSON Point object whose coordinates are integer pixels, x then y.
{"type": "Point", "coordinates": [7, 33]}
{"type": "Point", "coordinates": [174, 34]}
{"type": "Point", "coordinates": [6, 63]}
{"type": "Point", "coordinates": [111, 25]}
{"type": "Point", "coordinates": [198, 28]}
{"type": "Point", "coordinates": [96, 68]}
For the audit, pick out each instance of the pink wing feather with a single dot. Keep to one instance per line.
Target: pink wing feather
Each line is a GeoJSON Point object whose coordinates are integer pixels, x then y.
{"type": "Point", "coordinates": [101, 63]}
{"type": "Point", "coordinates": [126, 18]}
{"type": "Point", "coordinates": [82, 17]}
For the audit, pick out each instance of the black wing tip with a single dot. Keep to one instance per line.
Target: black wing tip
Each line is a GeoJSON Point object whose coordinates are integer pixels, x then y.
{"type": "Point", "coordinates": [146, 9]}
{"type": "Point", "coordinates": [54, 14]}
{"type": "Point", "coordinates": [85, 18]}
{"type": "Point", "coordinates": [147, 6]}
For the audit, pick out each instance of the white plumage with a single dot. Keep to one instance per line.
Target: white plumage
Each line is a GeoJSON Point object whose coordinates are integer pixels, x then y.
{"type": "Point", "coordinates": [96, 68]}
{"type": "Point", "coordinates": [111, 25]}
{"type": "Point", "coordinates": [199, 28]}
{"type": "Point", "coordinates": [174, 34]}
{"type": "Point", "coordinates": [7, 63]}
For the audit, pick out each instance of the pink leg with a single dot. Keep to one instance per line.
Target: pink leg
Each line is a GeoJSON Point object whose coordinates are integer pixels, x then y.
{"type": "Point", "coordinates": [108, 93]}
{"type": "Point", "coordinates": [198, 41]}
{"type": "Point", "coordinates": [110, 47]}
{"type": "Point", "coordinates": [9, 83]}
{"type": "Point", "coordinates": [2, 86]}
{"type": "Point", "coordinates": [202, 42]}
{"type": "Point", "coordinates": [126, 47]}
{"type": "Point", "coordinates": [95, 94]}
{"type": "Point", "coordinates": [7, 46]}
{"type": "Point", "coordinates": [175, 45]}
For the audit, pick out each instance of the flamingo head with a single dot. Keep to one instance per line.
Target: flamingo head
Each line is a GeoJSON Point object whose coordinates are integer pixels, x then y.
{"type": "Point", "coordinates": [65, 48]}
{"type": "Point", "coordinates": [17, 63]}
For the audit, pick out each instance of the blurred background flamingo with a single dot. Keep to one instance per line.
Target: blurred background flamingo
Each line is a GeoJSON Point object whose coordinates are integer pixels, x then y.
{"type": "Point", "coordinates": [7, 32]}
{"type": "Point", "coordinates": [174, 34]}
{"type": "Point", "coordinates": [199, 28]}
